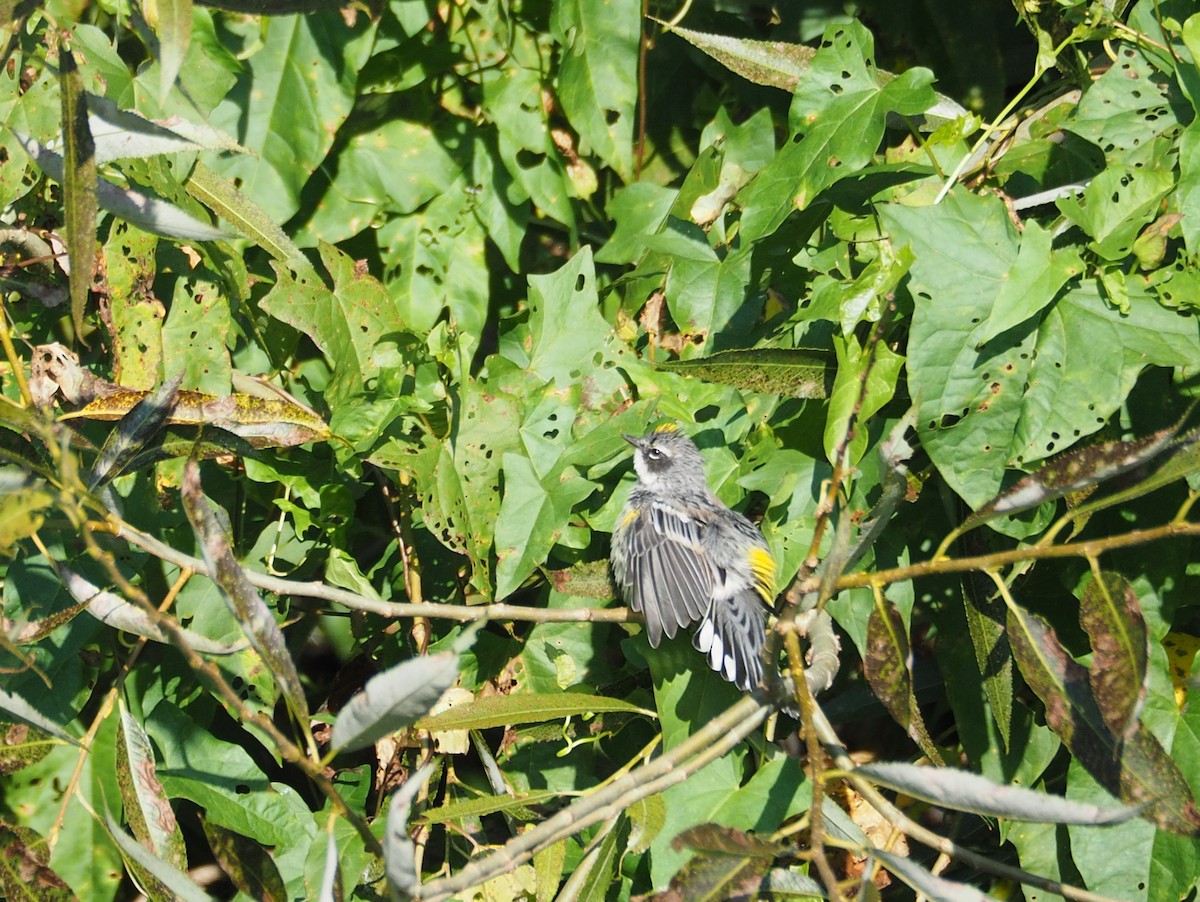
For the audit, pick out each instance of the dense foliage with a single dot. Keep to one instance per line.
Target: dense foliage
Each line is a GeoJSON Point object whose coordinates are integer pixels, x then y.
{"type": "Point", "coordinates": [323, 328]}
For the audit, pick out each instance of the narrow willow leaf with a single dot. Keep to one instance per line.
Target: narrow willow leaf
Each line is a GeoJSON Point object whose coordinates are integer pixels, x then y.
{"type": "Point", "coordinates": [123, 134]}
{"type": "Point", "coordinates": [141, 859]}
{"type": "Point", "coordinates": [251, 220]}
{"type": "Point", "coordinates": [1137, 770]}
{"type": "Point", "coordinates": [1073, 471]}
{"type": "Point", "coordinates": [780, 371]}
{"type": "Point", "coordinates": [966, 791]}
{"type": "Point", "coordinates": [118, 613]}
{"type": "Point", "coordinates": [926, 883]}
{"type": "Point", "coordinates": [509, 710]}
{"type": "Point", "coordinates": [261, 422]}
{"type": "Point", "coordinates": [778, 64]}
{"type": "Point", "coordinates": [17, 707]}
{"type": "Point", "coordinates": [136, 428]}
{"type": "Point", "coordinates": [984, 611]}
{"type": "Point", "coordinates": [79, 187]}
{"type": "Point", "coordinates": [394, 699]}
{"type": "Point", "coordinates": [147, 213]}
{"type": "Point", "coordinates": [147, 808]}
{"type": "Point", "coordinates": [887, 665]}
{"type": "Point", "coordinates": [255, 618]}
{"type": "Point", "coordinates": [473, 808]}
{"type": "Point", "coordinates": [399, 852]}
{"type": "Point", "coordinates": [246, 863]}
{"type": "Point", "coordinates": [1109, 613]}
{"type": "Point", "coordinates": [775, 64]}
{"type": "Point", "coordinates": [548, 870]}
{"type": "Point", "coordinates": [25, 872]}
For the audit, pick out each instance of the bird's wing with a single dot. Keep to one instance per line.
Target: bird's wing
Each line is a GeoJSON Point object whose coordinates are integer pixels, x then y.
{"type": "Point", "coordinates": [666, 574]}
{"type": "Point", "coordinates": [732, 637]}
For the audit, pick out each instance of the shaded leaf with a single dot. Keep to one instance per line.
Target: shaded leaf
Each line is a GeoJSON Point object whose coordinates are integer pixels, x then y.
{"type": "Point", "coordinates": [25, 872]}
{"type": "Point", "coordinates": [473, 808]}
{"type": "Point", "coordinates": [1137, 770]}
{"type": "Point", "coordinates": [255, 618]}
{"type": "Point", "coordinates": [1111, 616]}
{"type": "Point", "coordinates": [887, 665]}
{"type": "Point", "coordinates": [985, 612]}
{"type": "Point", "coordinates": [79, 186]}
{"type": "Point", "coordinates": [245, 863]}
{"type": "Point", "coordinates": [17, 707]}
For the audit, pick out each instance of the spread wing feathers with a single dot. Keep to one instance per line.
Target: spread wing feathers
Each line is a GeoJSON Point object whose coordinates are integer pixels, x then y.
{"type": "Point", "coordinates": [667, 576]}
{"type": "Point", "coordinates": [732, 637]}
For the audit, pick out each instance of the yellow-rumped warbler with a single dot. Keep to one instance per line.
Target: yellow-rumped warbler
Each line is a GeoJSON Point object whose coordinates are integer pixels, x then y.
{"type": "Point", "coordinates": [680, 556]}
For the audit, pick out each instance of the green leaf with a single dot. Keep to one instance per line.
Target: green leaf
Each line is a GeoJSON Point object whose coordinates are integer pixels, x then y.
{"type": "Point", "coordinates": [773, 63]}
{"type": "Point", "coordinates": [146, 806]}
{"type": "Point", "coordinates": [288, 113]}
{"type": "Point", "coordinates": [1109, 613]}
{"type": "Point", "coordinates": [246, 863]}
{"type": "Point", "coordinates": [510, 710]}
{"type": "Point", "coordinates": [26, 872]}
{"type": "Point", "coordinates": [174, 32]}
{"type": "Point", "coordinates": [256, 619]}
{"type": "Point", "coordinates": [145, 863]}
{"type": "Point", "coordinates": [597, 83]}
{"type": "Point", "coordinates": [78, 177]}
{"type": "Point", "coordinates": [887, 665]}
{"type": "Point", "coordinates": [837, 117]}
{"type": "Point", "coordinates": [533, 517]}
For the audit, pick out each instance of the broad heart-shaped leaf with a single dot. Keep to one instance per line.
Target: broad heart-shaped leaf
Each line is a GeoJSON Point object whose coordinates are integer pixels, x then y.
{"type": "Point", "coordinates": [394, 699]}
{"type": "Point", "coordinates": [966, 791]}
{"type": "Point", "coordinates": [1109, 613]}
{"type": "Point", "coordinates": [533, 517]}
{"type": "Point", "coordinates": [571, 341]}
{"type": "Point", "coordinates": [838, 115]}
{"type": "Point", "coordinates": [1019, 397]}
{"type": "Point", "coordinates": [256, 619]}
{"type": "Point", "coordinates": [349, 324]}
{"type": "Point", "coordinates": [286, 113]}
{"type": "Point", "coordinates": [1136, 768]}
{"type": "Point", "coordinates": [597, 78]}
{"type": "Point", "coordinates": [792, 372]}
{"type": "Point", "coordinates": [887, 665]}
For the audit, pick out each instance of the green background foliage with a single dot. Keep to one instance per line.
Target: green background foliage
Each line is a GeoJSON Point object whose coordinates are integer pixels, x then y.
{"type": "Point", "coordinates": [350, 309]}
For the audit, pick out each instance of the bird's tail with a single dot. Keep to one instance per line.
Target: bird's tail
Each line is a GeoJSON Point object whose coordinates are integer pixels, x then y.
{"type": "Point", "coordinates": [732, 636]}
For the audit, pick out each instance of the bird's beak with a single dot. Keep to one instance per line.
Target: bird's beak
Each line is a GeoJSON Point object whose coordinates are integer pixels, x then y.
{"type": "Point", "coordinates": [635, 440]}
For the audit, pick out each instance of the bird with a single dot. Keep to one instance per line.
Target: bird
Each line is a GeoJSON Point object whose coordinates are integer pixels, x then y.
{"type": "Point", "coordinates": [681, 557]}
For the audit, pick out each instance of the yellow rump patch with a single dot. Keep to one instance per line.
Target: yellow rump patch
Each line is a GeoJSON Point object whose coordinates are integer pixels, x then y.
{"type": "Point", "coordinates": [762, 565]}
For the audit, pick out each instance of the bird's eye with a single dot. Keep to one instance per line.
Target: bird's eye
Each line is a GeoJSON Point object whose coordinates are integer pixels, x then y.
{"type": "Point", "coordinates": [654, 454]}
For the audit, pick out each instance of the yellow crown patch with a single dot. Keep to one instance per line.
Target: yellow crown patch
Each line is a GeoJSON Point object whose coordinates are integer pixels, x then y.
{"type": "Point", "coordinates": [666, 427]}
